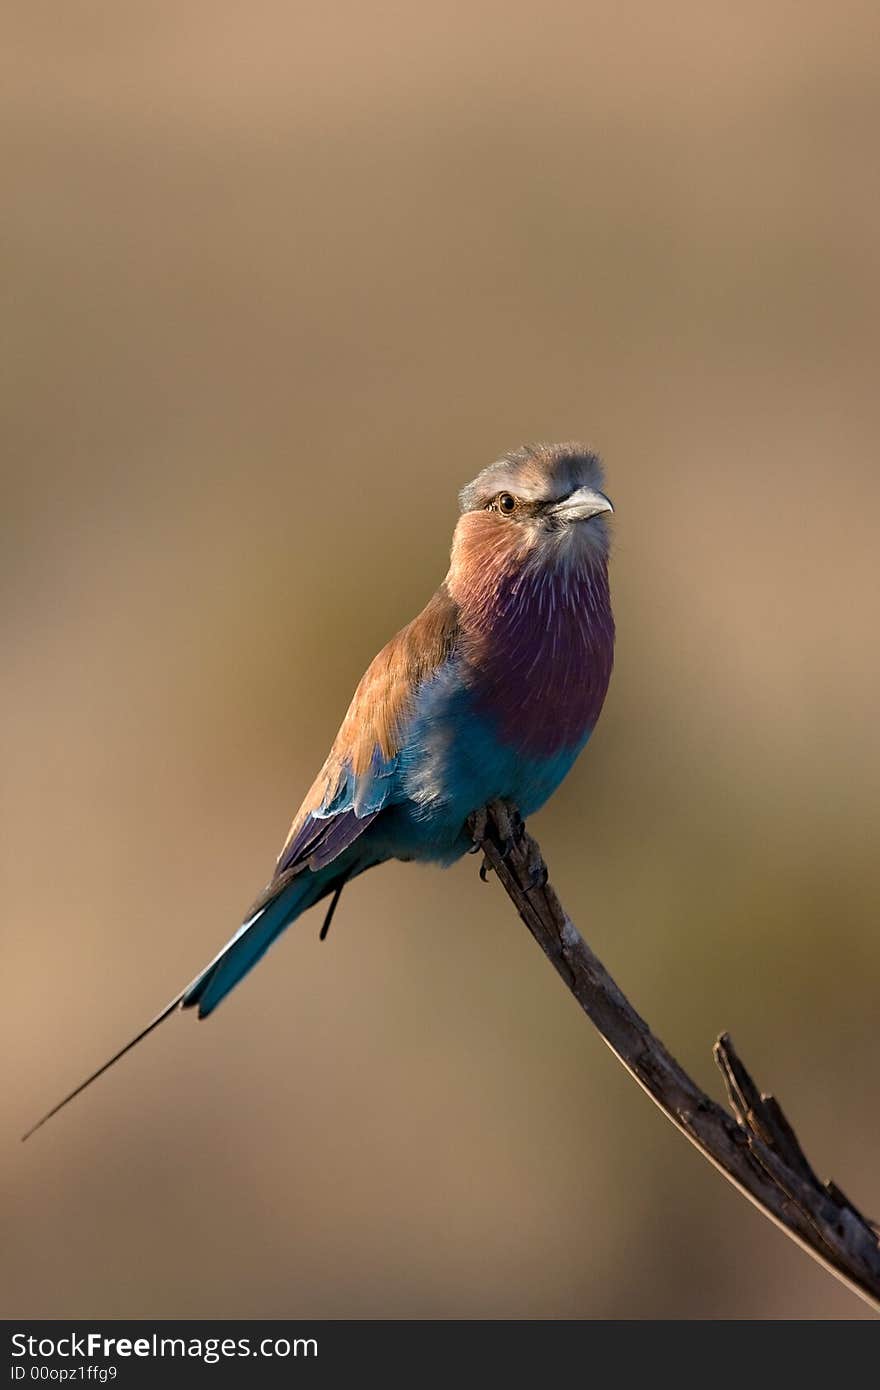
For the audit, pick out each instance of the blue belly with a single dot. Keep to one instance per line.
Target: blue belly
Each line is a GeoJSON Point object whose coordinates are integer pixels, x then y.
{"type": "Point", "coordinates": [452, 763]}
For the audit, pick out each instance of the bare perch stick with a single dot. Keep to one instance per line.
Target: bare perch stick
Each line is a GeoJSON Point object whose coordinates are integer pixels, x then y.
{"type": "Point", "coordinates": [755, 1148]}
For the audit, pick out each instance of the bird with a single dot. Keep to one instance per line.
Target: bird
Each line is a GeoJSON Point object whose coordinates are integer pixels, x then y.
{"type": "Point", "coordinates": [487, 696]}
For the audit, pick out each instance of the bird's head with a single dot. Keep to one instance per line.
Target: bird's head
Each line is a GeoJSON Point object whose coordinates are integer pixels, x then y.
{"type": "Point", "coordinates": [539, 505]}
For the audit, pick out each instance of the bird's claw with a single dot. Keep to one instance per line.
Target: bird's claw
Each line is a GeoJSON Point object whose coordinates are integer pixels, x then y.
{"type": "Point", "coordinates": [477, 825]}
{"type": "Point", "coordinates": [509, 825]}
{"type": "Point", "coordinates": [508, 829]}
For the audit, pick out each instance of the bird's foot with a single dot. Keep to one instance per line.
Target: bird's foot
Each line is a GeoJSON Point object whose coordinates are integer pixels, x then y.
{"type": "Point", "coordinates": [477, 825]}
{"type": "Point", "coordinates": [504, 823]}
{"type": "Point", "coordinates": [509, 824]}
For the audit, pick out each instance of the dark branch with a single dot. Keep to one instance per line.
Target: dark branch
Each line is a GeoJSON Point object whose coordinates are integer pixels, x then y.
{"type": "Point", "coordinates": [755, 1148]}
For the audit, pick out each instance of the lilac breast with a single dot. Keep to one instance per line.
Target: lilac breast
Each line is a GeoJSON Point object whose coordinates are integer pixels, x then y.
{"type": "Point", "coordinates": [542, 653]}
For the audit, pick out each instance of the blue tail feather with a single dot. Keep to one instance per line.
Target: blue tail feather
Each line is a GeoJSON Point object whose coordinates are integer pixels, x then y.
{"type": "Point", "coordinates": [252, 941]}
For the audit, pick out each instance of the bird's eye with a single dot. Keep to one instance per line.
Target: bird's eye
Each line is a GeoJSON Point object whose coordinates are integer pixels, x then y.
{"type": "Point", "coordinates": [506, 503]}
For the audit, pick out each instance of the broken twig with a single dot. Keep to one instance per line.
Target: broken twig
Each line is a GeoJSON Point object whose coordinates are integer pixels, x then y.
{"type": "Point", "coordinates": [755, 1148]}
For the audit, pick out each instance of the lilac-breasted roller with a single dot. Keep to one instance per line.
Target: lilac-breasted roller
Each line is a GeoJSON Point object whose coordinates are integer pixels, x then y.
{"type": "Point", "coordinates": [488, 695]}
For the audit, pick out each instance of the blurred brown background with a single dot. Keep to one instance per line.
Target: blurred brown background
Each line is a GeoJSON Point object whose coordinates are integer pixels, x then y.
{"type": "Point", "coordinates": [279, 279]}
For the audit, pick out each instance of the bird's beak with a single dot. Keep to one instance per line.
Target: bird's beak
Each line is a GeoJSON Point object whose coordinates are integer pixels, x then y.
{"type": "Point", "coordinates": [581, 505]}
